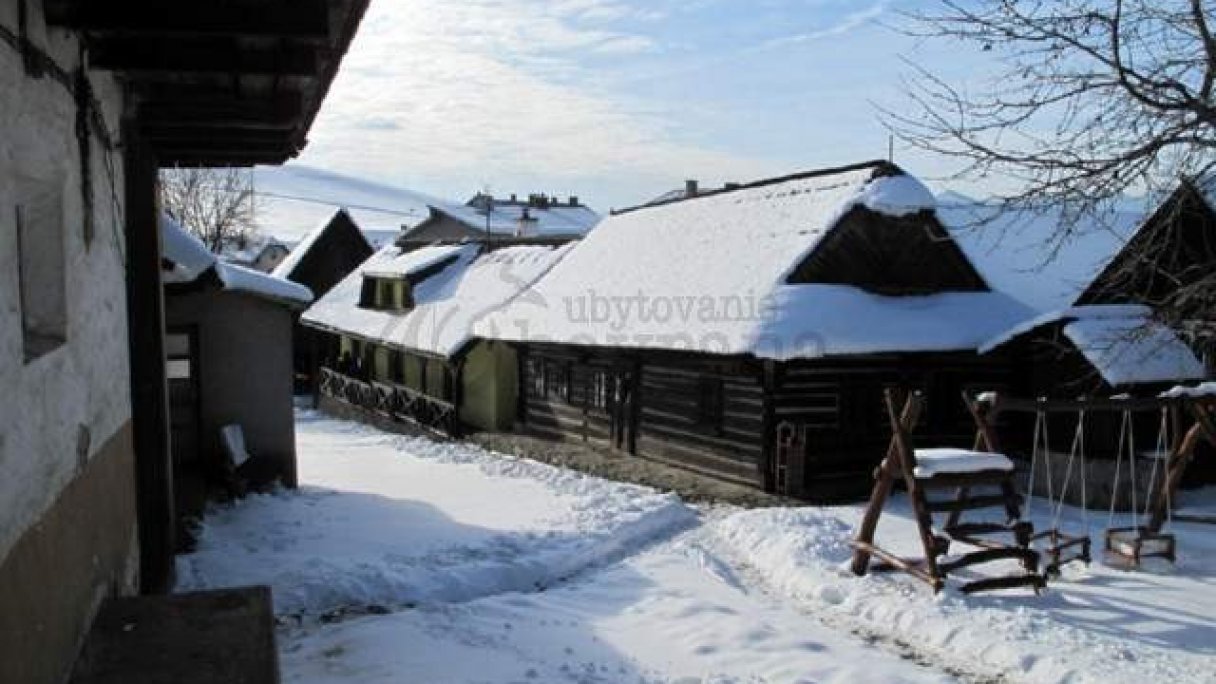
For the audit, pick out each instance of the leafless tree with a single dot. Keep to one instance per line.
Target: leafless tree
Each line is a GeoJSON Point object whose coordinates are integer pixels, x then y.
{"type": "Point", "coordinates": [217, 205]}
{"type": "Point", "coordinates": [1092, 100]}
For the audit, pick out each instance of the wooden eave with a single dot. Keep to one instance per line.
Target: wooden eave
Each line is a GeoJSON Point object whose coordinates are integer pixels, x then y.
{"type": "Point", "coordinates": [220, 82]}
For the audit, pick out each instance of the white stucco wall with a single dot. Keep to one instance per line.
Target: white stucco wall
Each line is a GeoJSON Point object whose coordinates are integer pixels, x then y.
{"type": "Point", "coordinates": [45, 402]}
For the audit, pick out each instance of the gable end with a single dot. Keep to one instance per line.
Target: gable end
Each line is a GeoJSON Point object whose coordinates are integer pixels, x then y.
{"type": "Point", "coordinates": [910, 255]}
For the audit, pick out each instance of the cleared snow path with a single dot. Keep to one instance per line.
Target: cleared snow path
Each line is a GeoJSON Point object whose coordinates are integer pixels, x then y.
{"type": "Point", "coordinates": [673, 613]}
{"type": "Point", "coordinates": [392, 521]}
{"type": "Point", "coordinates": [498, 569]}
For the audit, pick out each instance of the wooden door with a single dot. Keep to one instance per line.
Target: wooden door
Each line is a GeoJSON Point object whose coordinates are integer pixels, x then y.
{"type": "Point", "coordinates": [182, 373]}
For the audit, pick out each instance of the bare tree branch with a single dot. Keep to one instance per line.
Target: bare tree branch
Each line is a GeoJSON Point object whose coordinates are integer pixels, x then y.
{"type": "Point", "coordinates": [216, 205]}
{"type": "Point", "coordinates": [1093, 100]}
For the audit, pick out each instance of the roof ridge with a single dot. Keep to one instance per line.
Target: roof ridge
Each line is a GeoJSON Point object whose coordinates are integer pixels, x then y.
{"type": "Point", "coordinates": [881, 167]}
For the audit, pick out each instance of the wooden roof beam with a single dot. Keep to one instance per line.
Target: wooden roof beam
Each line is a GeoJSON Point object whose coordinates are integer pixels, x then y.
{"type": "Point", "coordinates": [222, 109]}
{"type": "Point", "coordinates": [193, 158]}
{"type": "Point", "coordinates": [184, 56]}
{"type": "Point", "coordinates": [304, 19]}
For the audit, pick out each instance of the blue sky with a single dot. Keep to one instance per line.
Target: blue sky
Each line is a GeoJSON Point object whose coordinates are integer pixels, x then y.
{"type": "Point", "coordinates": [618, 100]}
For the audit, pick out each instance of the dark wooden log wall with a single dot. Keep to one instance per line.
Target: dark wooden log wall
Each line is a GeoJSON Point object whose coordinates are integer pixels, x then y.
{"type": "Point", "coordinates": [704, 416]}
{"type": "Point", "coordinates": [565, 395]}
{"type": "Point", "coordinates": [718, 415]}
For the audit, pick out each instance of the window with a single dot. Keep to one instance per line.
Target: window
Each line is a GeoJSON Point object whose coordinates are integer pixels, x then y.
{"type": "Point", "coordinates": [557, 380]}
{"type": "Point", "coordinates": [179, 358]}
{"type": "Point", "coordinates": [39, 221]}
{"type": "Point", "coordinates": [396, 367]}
{"type": "Point", "coordinates": [549, 379]}
{"type": "Point", "coordinates": [385, 299]}
{"type": "Point", "coordinates": [603, 390]}
{"type": "Point", "coordinates": [710, 403]}
{"type": "Point", "coordinates": [536, 376]}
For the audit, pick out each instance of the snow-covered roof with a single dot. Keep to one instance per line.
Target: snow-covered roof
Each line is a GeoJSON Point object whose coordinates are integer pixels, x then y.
{"type": "Point", "coordinates": [708, 274]}
{"type": "Point", "coordinates": [188, 255]}
{"type": "Point", "coordinates": [1203, 390]}
{"type": "Point", "coordinates": [304, 246]}
{"type": "Point", "coordinates": [1134, 350]}
{"type": "Point", "coordinates": [552, 220]}
{"type": "Point", "coordinates": [377, 237]}
{"type": "Point", "coordinates": [1121, 341]}
{"type": "Point", "coordinates": [446, 304]}
{"type": "Point", "coordinates": [1017, 253]}
{"type": "Point", "coordinates": [408, 263]}
{"type": "Point", "coordinates": [189, 259]}
{"type": "Point", "coordinates": [1067, 314]}
{"type": "Point", "coordinates": [294, 198]}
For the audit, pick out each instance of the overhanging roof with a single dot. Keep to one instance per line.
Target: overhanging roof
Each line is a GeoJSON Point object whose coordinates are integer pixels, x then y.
{"type": "Point", "coordinates": [221, 82]}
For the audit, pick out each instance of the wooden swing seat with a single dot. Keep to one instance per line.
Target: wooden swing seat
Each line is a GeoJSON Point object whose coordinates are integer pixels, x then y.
{"type": "Point", "coordinates": [960, 470]}
{"type": "Point", "coordinates": [1133, 544]}
{"type": "Point", "coordinates": [1062, 549]}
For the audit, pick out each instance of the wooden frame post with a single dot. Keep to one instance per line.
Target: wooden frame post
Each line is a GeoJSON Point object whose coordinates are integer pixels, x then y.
{"type": "Point", "coordinates": [149, 387]}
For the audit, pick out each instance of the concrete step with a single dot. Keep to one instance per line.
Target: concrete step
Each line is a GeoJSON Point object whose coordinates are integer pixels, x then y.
{"type": "Point", "coordinates": [212, 637]}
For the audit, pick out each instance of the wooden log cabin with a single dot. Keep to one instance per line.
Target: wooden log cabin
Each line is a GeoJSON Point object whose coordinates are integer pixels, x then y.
{"type": "Point", "coordinates": [748, 332]}
{"type": "Point", "coordinates": [397, 332]}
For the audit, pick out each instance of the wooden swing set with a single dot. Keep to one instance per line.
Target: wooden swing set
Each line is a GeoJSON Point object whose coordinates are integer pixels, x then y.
{"type": "Point", "coordinates": [931, 469]}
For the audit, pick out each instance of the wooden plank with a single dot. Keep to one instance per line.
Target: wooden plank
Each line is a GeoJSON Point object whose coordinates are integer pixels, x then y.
{"type": "Point", "coordinates": [698, 461]}
{"type": "Point", "coordinates": [696, 441]}
{"type": "Point", "coordinates": [273, 18]}
{"type": "Point", "coordinates": [220, 108]}
{"type": "Point", "coordinates": [203, 55]}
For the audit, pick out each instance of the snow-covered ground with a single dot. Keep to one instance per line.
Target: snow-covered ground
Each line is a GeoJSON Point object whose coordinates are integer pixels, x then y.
{"type": "Point", "coordinates": [405, 560]}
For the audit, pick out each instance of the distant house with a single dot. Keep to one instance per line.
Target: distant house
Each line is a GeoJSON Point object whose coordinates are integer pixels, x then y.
{"type": "Point", "coordinates": [326, 255]}
{"type": "Point", "coordinates": [749, 332]}
{"type": "Point", "coordinates": [397, 335]}
{"type": "Point", "coordinates": [537, 218]}
{"type": "Point", "coordinates": [228, 340]}
{"type": "Point", "coordinates": [691, 189]}
{"type": "Point", "coordinates": [319, 262]}
{"type": "Point", "coordinates": [260, 253]}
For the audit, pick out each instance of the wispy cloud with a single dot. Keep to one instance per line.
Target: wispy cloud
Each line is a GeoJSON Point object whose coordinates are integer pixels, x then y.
{"type": "Point", "coordinates": [846, 24]}
{"type": "Point", "coordinates": [443, 94]}
{"type": "Point", "coordinates": [613, 100]}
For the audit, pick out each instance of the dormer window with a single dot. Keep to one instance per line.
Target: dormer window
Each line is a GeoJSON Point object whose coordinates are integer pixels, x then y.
{"type": "Point", "coordinates": [386, 294]}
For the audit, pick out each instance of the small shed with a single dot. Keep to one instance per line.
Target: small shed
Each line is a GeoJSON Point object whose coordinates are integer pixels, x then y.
{"type": "Point", "coordinates": [1097, 350]}
{"type": "Point", "coordinates": [228, 359]}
